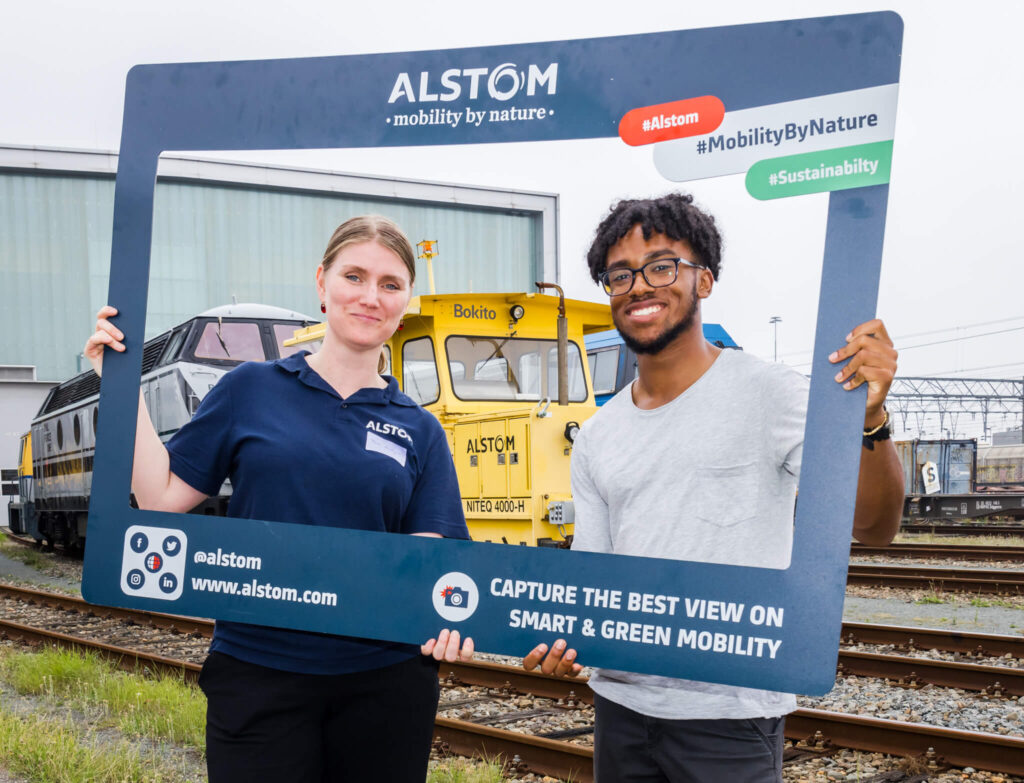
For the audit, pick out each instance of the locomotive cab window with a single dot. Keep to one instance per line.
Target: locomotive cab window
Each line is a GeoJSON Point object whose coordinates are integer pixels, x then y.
{"type": "Point", "coordinates": [230, 341]}
{"type": "Point", "coordinates": [173, 347]}
{"type": "Point", "coordinates": [604, 365]}
{"type": "Point", "coordinates": [419, 371]}
{"type": "Point", "coordinates": [506, 368]}
{"type": "Point", "coordinates": [284, 332]}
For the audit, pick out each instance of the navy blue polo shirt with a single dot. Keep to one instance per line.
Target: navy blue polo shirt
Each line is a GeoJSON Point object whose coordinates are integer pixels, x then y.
{"type": "Point", "coordinates": [296, 451]}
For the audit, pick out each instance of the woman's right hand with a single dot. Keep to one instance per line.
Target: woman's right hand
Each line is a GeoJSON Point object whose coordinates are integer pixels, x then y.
{"type": "Point", "coordinates": [106, 334]}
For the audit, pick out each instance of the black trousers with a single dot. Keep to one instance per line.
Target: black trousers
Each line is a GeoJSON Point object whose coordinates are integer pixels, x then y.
{"type": "Point", "coordinates": [268, 725]}
{"type": "Point", "coordinates": [634, 748]}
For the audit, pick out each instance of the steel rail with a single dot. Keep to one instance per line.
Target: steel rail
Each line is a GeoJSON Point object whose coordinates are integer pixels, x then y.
{"type": "Point", "coordinates": [915, 672]}
{"type": "Point", "coordinates": [992, 752]}
{"type": "Point", "coordinates": [124, 657]}
{"type": "Point", "coordinates": [987, 644]}
{"type": "Point", "coordinates": [1007, 553]}
{"type": "Point", "coordinates": [990, 582]}
{"type": "Point", "coordinates": [170, 622]}
{"type": "Point", "coordinates": [561, 760]}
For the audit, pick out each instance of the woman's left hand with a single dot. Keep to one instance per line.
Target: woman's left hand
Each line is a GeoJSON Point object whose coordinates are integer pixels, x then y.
{"type": "Point", "coordinates": [446, 647]}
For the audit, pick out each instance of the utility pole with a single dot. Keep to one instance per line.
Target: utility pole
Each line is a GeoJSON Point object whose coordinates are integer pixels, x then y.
{"type": "Point", "coordinates": [775, 320]}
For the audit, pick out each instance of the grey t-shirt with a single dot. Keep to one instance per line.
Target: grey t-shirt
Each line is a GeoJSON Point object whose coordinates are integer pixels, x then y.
{"type": "Point", "coordinates": [710, 477]}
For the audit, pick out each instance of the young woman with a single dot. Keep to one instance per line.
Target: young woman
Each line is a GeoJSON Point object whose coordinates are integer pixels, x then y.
{"type": "Point", "coordinates": [292, 435]}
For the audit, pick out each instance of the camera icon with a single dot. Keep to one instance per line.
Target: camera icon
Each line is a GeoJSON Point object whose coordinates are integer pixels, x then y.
{"type": "Point", "coordinates": [456, 596]}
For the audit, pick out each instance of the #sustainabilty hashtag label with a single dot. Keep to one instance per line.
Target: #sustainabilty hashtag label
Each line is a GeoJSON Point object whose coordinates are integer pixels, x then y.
{"type": "Point", "coordinates": [819, 172]}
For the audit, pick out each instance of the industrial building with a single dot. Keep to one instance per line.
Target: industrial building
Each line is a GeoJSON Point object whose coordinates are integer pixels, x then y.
{"type": "Point", "coordinates": [223, 232]}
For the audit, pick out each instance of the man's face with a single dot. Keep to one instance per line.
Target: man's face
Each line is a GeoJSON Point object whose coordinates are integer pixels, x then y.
{"type": "Point", "coordinates": [649, 318]}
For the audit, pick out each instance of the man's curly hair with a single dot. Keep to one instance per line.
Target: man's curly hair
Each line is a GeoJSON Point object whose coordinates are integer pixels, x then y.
{"type": "Point", "coordinates": [673, 215]}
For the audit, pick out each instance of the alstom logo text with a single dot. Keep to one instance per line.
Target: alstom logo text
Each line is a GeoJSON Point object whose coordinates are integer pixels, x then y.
{"type": "Point", "coordinates": [501, 83]}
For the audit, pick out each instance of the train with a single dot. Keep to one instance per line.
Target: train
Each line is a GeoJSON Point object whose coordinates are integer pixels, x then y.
{"type": "Point", "coordinates": [488, 367]}
{"type": "Point", "coordinates": [179, 367]}
{"type": "Point", "coordinates": [509, 393]}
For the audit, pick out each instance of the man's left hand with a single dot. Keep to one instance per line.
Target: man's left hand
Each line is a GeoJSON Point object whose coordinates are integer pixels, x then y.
{"type": "Point", "coordinates": [872, 361]}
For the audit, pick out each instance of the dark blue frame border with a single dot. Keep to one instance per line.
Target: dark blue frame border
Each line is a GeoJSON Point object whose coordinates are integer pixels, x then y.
{"type": "Point", "coordinates": [343, 102]}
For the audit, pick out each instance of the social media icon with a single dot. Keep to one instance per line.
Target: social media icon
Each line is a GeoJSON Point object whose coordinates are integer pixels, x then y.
{"type": "Point", "coordinates": [153, 562]}
{"type": "Point", "coordinates": [168, 583]}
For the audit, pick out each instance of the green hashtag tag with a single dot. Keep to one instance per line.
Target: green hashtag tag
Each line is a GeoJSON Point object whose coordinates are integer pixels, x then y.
{"type": "Point", "coordinates": [819, 172]}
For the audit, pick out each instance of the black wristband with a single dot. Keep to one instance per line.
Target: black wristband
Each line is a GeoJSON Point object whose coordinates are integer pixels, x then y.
{"type": "Point", "coordinates": [881, 432]}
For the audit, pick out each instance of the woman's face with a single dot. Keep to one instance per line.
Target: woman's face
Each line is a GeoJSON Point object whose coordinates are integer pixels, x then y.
{"type": "Point", "coordinates": [366, 290]}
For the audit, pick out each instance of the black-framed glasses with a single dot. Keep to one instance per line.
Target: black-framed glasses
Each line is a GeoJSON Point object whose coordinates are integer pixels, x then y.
{"type": "Point", "coordinates": [658, 274]}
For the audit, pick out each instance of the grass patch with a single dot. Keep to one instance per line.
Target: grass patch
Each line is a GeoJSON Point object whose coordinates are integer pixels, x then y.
{"type": "Point", "coordinates": [162, 706]}
{"type": "Point", "coordinates": [930, 599]}
{"type": "Point", "coordinates": [30, 557]}
{"type": "Point", "coordinates": [52, 751]}
{"type": "Point", "coordinates": [462, 770]}
{"type": "Point", "coordinates": [986, 602]}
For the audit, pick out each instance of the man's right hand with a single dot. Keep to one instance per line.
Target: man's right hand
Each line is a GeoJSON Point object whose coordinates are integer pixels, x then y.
{"type": "Point", "coordinates": [559, 661]}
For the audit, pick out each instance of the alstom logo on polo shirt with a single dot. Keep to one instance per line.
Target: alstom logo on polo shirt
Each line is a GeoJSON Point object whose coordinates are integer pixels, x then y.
{"type": "Point", "coordinates": [461, 311]}
{"type": "Point", "coordinates": [387, 429]}
{"type": "Point", "coordinates": [501, 83]}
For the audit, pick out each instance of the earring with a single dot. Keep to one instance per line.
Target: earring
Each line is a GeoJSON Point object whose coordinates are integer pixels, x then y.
{"type": "Point", "coordinates": [323, 308]}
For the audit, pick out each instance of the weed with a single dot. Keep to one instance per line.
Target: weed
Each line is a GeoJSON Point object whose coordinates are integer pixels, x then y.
{"type": "Point", "coordinates": [461, 770]}
{"type": "Point", "coordinates": [152, 706]}
{"type": "Point", "coordinates": [30, 557]}
{"type": "Point", "coordinates": [52, 751]}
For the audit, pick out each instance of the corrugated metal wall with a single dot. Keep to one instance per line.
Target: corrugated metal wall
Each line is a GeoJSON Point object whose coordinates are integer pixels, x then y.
{"type": "Point", "coordinates": [211, 243]}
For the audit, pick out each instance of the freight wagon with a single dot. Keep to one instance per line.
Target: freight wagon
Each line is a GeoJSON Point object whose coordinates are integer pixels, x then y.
{"type": "Point", "coordinates": [955, 479]}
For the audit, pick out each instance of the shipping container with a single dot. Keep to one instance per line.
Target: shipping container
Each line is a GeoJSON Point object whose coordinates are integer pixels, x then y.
{"type": "Point", "coordinates": [1001, 466]}
{"type": "Point", "coordinates": [946, 467]}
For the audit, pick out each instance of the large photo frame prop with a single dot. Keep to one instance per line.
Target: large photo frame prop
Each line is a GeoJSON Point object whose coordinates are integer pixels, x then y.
{"type": "Point", "coordinates": [756, 627]}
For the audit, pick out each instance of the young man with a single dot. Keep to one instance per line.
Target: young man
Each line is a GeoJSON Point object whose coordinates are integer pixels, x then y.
{"type": "Point", "coordinates": [698, 460]}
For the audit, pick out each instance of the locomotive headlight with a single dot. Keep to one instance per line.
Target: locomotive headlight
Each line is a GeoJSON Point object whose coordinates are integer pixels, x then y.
{"type": "Point", "coordinates": [572, 429]}
{"type": "Point", "coordinates": [516, 312]}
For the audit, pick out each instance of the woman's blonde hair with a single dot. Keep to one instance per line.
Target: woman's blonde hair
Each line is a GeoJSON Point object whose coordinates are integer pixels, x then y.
{"type": "Point", "coordinates": [372, 228]}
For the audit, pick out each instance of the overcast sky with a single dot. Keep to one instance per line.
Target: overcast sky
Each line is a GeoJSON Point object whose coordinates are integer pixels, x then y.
{"type": "Point", "coordinates": [951, 272]}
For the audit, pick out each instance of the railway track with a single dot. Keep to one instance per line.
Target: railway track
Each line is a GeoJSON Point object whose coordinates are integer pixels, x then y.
{"type": "Point", "coordinates": [812, 731]}
{"type": "Point", "coordinates": [1010, 554]}
{"type": "Point", "coordinates": [956, 580]}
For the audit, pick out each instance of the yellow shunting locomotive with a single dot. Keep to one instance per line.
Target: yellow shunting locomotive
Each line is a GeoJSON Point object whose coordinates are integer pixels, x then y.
{"type": "Point", "coordinates": [489, 367]}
